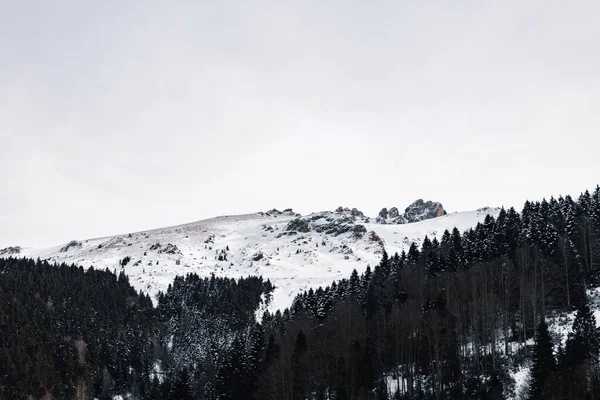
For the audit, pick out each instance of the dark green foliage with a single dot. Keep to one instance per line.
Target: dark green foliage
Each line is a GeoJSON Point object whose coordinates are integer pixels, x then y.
{"type": "Point", "coordinates": [443, 321]}
{"type": "Point", "coordinates": [300, 368]}
{"type": "Point", "coordinates": [64, 329]}
{"type": "Point", "coordinates": [579, 360]}
{"type": "Point", "coordinates": [543, 371]}
{"type": "Point", "coordinates": [585, 335]}
{"type": "Point", "coordinates": [448, 320]}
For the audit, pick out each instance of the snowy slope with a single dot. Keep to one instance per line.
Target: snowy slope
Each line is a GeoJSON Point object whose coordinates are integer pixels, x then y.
{"type": "Point", "coordinates": [264, 244]}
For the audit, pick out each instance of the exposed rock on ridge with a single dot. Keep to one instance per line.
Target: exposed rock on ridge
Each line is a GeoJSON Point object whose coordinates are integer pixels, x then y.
{"type": "Point", "coordinates": [10, 250]}
{"type": "Point", "coordinates": [418, 211]}
{"type": "Point", "coordinates": [341, 221]}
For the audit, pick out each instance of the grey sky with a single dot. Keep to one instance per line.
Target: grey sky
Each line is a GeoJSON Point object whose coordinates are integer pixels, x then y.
{"type": "Point", "coordinates": [118, 116]}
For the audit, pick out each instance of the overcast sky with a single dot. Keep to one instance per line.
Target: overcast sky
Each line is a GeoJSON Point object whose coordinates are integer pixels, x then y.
{"type": "Point", "coordinates": [118, 116]}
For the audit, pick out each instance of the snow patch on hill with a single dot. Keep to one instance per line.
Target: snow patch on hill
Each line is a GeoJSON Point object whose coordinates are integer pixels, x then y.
{"type": "Point", "coordinates": [295, 252]}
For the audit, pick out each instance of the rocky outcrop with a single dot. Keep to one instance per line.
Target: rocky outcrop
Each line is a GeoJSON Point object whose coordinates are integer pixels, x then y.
{"type": "Point", "coordinates": [343, 220]}
{"type": "Point", "coordinates": [332, 224]}
{"type": "Point", "coordinates": [359, 231]}
{"type": "Point", "coordinates": [10, 251]}
{"type": "Point", "coordinates": [418, 211]}
{"type": "Point", "coordinates": [73, 244]}
{"type": "Point", "coordinates": [353, 212]}
{"type": "Point", "coordinates": [275, 213]}
{"type": "Point", "coordinates": [421, 210]}
{"type": "Point", "coordinates": [357, 213]}
{"type": "Point", "coordinates": [170, 249]}
{"type": "Point", "coordinates": [298, 225]}
{"type": "Point", "coordinates": [343, 249]}
{"type": "Point", "coordinates": [382, 216]}
{"type": "Point", "coordinates": [156, 246]}
{"type": "Point", "coordinates": [374, 237]}
{"type": "Point", "coordinates": [165, 249]}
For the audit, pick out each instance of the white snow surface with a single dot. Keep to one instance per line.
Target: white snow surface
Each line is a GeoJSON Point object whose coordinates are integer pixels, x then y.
{"type": "Point", "coordinates": [521, 377]}
{"type": "Point", "coordinates": [293, 263]}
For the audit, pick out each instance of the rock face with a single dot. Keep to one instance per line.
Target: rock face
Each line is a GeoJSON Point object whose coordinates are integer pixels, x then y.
{"type": "Point", "coordinates": [258, 256]}
{"type": "Point", "coordinates": [354, 212]}
{"type": "Point", "coordinates": [170, 249]}
{"type": "Point", "coordinates": [359, 231]}
{"type": "Point", "coordinates": [10, 250]}
{"type": "Point", "coordinates": [383, 216]}
{"type": "Point", "coordinates": [73, 244]}
{"type": "Point", "coordinates": [298, 225]}
{"type": "Point", "coordinates": [343, 220]}
{"type": "Point", "coordinates": [418, 211]}
{"type": "Point", "coordinates": [275, 213]}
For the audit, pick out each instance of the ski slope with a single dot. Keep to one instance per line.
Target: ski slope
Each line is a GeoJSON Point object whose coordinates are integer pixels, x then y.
{"type": "Point", "coordinates": [253, 244]}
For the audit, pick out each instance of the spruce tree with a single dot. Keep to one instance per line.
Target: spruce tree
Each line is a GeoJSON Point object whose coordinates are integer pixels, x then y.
{"type": "Point", "coordinates": [299, 367]}
{"type": "Point", "coordinates": [585, 334]}
{"type": "Point", "coordinates": [581, 353]}
{"type": "Point", "coordinates": [544, 365]}
{"type": "Point", "coordinates": [181, 390]}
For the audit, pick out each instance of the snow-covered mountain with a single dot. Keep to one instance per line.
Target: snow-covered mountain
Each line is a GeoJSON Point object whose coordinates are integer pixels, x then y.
{"type": "Point", "coordinates": [295, 252]}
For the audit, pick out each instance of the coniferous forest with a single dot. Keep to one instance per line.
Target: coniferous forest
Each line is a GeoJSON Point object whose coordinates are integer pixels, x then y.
{"type": "Point", "coordinates": [453, 319]}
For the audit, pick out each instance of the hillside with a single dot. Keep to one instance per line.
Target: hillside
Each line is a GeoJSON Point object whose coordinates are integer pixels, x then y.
{"type": "Point", "coordinates": [294, 252]}
{"type": "Point", "coordinates": [507, 308]}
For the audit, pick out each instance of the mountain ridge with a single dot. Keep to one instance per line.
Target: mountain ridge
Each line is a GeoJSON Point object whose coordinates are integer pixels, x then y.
{"type": "Point", "coordinates": [296, 252]}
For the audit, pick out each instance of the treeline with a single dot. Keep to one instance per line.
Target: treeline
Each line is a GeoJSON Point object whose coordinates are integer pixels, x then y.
{"type": "Point", "coordinates": [449, 320]}
{"type": "Point", "coordinates": [200, 321]}
{"type": "Point", "coordinates": [69, 333]}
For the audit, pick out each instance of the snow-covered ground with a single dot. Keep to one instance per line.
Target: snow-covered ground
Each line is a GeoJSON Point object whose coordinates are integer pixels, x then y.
{"type": "Point", "coordinates": [560, 326]}
{"type": "Point", "coordinates": [252, 244]}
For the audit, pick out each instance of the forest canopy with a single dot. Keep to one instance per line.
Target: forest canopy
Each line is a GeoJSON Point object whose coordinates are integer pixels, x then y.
{"type": "Point", "coordinates": [452, 319]}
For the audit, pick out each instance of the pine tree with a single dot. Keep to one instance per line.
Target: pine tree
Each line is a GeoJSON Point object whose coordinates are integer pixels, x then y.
{"type": "Point", "coordinates": [385, 262]}
{"type": "Point", "coordinates": [231, 377]}
{"type": "Point", "coordinates": [585, 336]}
{"type": "Point", "coordinates": [181, 388]}
{"type": "Point", "coordinates": [272, 351]}
{"type": "Point", "coordinates": [413, 253]}
{"type": "Point", "coordinates": [354, 285]}
{"type": "Point", "coordinates": [581, 352]}
{"type": "Point", "coordinates": [299, 367]}
{"type": "Point", "coordinates": [543, 371]}
{"type": "Point", "coordinates": [255, 361]}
